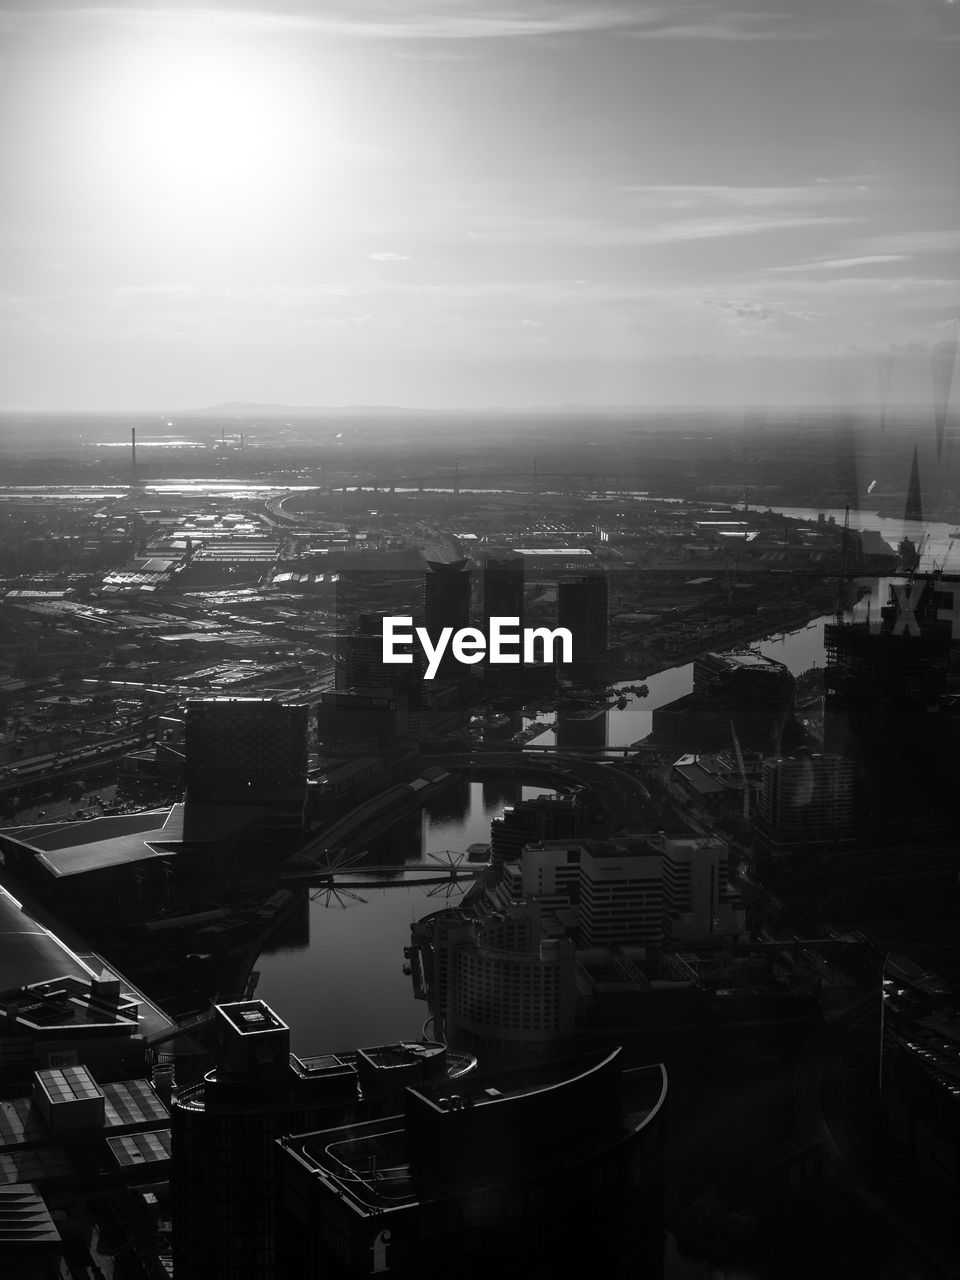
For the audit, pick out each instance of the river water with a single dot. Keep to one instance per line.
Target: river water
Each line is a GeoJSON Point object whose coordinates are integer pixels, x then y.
{"type": "Point", "coordinates": [335, 973]}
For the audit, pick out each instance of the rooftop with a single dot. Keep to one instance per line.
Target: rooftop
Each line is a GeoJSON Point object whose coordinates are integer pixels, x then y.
{"type": "Point", "coordinates": [72, 848]}
{"type": "Point", "coordinates": [746, 658]}
{"type": "Point", "coordinates": [127, 1104]}
{"type": "Point", "coordinates": [31, 953]}
{"type": "Point", "coordinates": [25, 1219]}
{"type": "Point", "coordinates": [251, 1017]}
{"type": "Point", "coordinates": [70, 1002]}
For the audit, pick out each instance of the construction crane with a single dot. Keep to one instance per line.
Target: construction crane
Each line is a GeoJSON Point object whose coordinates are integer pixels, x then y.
{"type": "Point", "coordinates": [938, 565]}
{"type": "Point", "coordinates": [743, 772]}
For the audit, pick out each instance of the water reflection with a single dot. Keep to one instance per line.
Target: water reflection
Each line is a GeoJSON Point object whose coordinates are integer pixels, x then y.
{"type": "Point", "coordinates": [347, 988]}
{"type": "Point", "coordinates": [458, 817]}
{"type": "Point", "coordinates": [337, 976]}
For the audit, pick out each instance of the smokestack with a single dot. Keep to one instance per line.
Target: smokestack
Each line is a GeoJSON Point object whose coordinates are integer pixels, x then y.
{"type": "Point", "coordinates": [133, 455]}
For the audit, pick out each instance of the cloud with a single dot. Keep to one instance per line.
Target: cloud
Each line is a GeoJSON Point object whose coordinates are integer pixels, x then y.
{"type": "Point", "coordinates": [418, 19]}
{"type": "Point", "coordinates": [750, 309]}
{"type": "Point", "coordinates": [370, 19]}
{"type": "Point", "coordinates": [946, 240]}
{"type": "Point", "coordinates": [839, 264]}
{"type": "Point", "coordinates": [154, 290]}
{"type": "Point", "coordinates": [709, 24]}
{"type": "Point", "coordinates": [595, 233]}
{"type": "Point", "coordinates": [818, 193]}
{"type": "Point", "coordinates": [718, 228]}
{"type": "Point", "coordinates": [387, 255]}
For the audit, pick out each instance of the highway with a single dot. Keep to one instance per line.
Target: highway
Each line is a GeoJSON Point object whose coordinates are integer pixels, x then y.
{"type": "Point", "coordinates": [51, 769]}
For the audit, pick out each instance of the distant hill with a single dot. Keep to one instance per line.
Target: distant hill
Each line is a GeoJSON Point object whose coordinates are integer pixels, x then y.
{"type": "Point", "coordinates": [251, 409]}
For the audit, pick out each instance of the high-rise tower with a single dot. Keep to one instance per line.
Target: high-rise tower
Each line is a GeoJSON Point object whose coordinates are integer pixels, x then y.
{"type": "Point", "coordinates": [446, 603]}
{"type": "Point", "coordinates": [502, 588]}
{"type": "Point", "coordinates": [582, 608]}
{"type": "Point", "coordinates": [246, 751]}
{"type": "Point", "coordinates": [885, 710]}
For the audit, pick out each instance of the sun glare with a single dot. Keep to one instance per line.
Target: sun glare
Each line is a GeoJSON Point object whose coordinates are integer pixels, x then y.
{"type": "Point", "coordinates": [205, 129]}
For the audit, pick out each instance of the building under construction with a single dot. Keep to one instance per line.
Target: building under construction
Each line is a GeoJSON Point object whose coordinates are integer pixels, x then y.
{"type": "Point", "coordinates": [806, 802]}
{"type": "Point", "coordinates": [886, 709]}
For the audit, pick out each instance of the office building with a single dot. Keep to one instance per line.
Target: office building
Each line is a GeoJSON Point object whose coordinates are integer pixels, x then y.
{"type": "Point", "coordinates": [699, 905]}
{"type": "Point", "coordinates": [360, 669]}
{"type": "Point", "coordinates": [502, 586]}
{"type": "Point", "coordinates": [550, 817]}
{"type": "Point", "coordinates": [756, 693]}
{"type": "Point", "coordinates": [550, 1170]}
{"type": "Point", "coordinates": [355, 722]}
{"type": "Point", "coordinates": [745, 689]}
{"type": "Point", "coordinates": [581, 726]}
{"type": "Point", "coordinates": [224, 1128]}
{"type": "Point", "coordinates": [805, 802]}
{"type": "Point", "coordinates": [246, 751]}
{"type": "Point", "coordinates": [582, 607]}
{"type": "Point", "coordinates": [884, 710]}
{"type": "Point", "coordinates": [446, 603]}
{"type": "Point", "coordinates": [628, 891]}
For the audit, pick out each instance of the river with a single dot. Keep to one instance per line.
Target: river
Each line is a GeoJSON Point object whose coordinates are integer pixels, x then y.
{"type": "Point", "coordinates": [335, 973]}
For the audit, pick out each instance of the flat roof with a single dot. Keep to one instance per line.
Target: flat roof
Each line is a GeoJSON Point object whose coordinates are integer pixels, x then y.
{"type": "Point", "coordinates": [555, 551]}
{"type": "Point", "coordinates": [747, 659]}
{"type": "Point", "coordinates": [67, 1084]}
{"type": "Point", "coordinates": [30, 953]}
{"type": "Point", "coordinates": [129, 1102]}
{"type": "Point", "coordinates": [100, 855]}
{"type": "Point", "coordinates": [401, 1054]}
{"type": "Point", "coordinates": [75, 835]}
{"type": "Point", "coordinates": [25, 1219]}
{"type": "Point", "coordinates": [151, 1146]}
{"type": "Point", "coordinates": [514, 1082]}
{"type": "Point", "coordinates": [251, 1017]}
{"type": "Point", "coordinates": [700, 779]}
{"type": "Point", "coordinates": [34, 1164]}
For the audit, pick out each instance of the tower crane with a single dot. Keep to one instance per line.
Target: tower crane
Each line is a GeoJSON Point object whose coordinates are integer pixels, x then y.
{"type": "Point", "coordinates": [743, 772]}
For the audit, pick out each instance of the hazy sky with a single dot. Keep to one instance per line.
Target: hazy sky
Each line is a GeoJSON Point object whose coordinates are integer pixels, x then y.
{"type": "Point", "coordinates": [455, 202]}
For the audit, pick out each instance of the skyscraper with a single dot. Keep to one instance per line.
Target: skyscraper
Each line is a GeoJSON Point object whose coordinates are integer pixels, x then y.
{"type": "Point", "coordinates": [884, 709]}
{"type": "Point", "coordinates": [224, 1131]}
{"type": "Point", "coordinates": [502, 588]}
{"type": "Point", "coordinates": [446, 603]}
{"type": "Point", "coordinates": [360, 668]}
{"type": "Point", "coordinates": [582, 605]}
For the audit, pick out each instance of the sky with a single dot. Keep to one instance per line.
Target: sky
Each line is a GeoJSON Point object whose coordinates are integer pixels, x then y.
{"type": "Point", "coordinates": [442, 203]}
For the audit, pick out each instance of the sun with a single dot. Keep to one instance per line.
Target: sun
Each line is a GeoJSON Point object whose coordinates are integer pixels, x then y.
{"type": "Point", "coordinates": [199, 128]}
